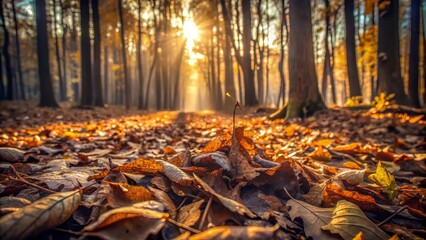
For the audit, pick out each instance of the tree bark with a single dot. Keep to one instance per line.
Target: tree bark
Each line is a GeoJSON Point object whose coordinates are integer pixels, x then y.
{"type": "Point", "coordinates": [64, 52]}
{"type": "Point", "coordinates": [106, 74]}
{"type": "Point", "coordinates": [62, 93]}
{"type": "Point", "coordinates": [389, 67]}
{"type": "Point", "coordinates": [249, 88]}
{"type": "Point", "coordinates": [354, 87]}
{"type": "Point", "coordinates": [18, 53]}
{"type": "Point", "coordinates": [304, 96]}
{"type": "Point", "coordinates": [47, 97]}
{"type": "Point", "coordinates": [127, 87]}
{"type": "Point", "coordinates": [97, 80]}
{"type": "Point", "coordinates": [413, 71]}
{"type": "Point", "coordinates": [283, 25]}
{"type": "Point", "coordinates": [2, 93]}
{"type": "Point", "coordinates": [139, 57]}
{"type": "Point", "coordinates": [7, 61]}
{"type": "Point", "coordinates": [85, 54]}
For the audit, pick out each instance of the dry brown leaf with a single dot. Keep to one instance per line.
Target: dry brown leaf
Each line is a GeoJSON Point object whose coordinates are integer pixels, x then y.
{"type": "Point", "coordinates": [141, 166]}
{"type": "Point", "coordinates": [351, 165]}
{"type": "Point", "coordinates": [132, 222]}
{"type": "Point", "coordinates": [190, 213]}
{"type": "Point", "coordinates": [43, 214]}
{"type": "Point", "coordinates": [168, 150]}
{"type": "Point", "coordinates": [228, 203]}
{"type": "Point", "coordinates": [313, 218]}
{"type": "Point", "coordinates": [10, 154]}
{"type": "Point", "coordinates": [175, 174]}
{"type": "Point", "coordinates": [236, 232]}
{"type": "Point", "coordinates": [123, 194]}
{"type": "Point", "coordinates": [212, 159]}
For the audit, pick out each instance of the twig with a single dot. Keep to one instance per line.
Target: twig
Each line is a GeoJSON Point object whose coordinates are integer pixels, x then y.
{"type": "Point", "coordinates": [67, 231]}
{"type": "Point", "coordinates": [393, 215]}
{"type": "Point", "coordinates": [183, 202]}
{"type": "Point", "coordinates": [206, 211]}
{"type": "Point", "coordinates": [20, 179]}
{"type": "Point", "coordinates": [183, 226]}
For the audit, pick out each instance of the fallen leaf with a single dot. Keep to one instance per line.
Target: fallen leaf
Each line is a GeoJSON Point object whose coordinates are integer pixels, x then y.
{"type": "Point", "coordinates": [10, 154]}
{"type": "Point", "coordinates": [228, 203]}
{"type": "Point", "coordinates": [320, 154]}
{"type": "Point", "coordinates": [313, 218]}
{"type": "Point", "coordinates": [384, 179]}
{"type": "Point", "coordinates": [348, 220]}
{"type": "Point", "coordinates": [123, 194]}
{"type": "Point", "coordinates": [189, 214]}
{"type": "Point", "coordinates": [43, 214]}
{"type": "Point", "coordinates": [169, 150]}
{"type": "Point", "coordinates": [141, 166]}
{"type": "Point", "coordinates": [175, 174]}
{"type": "Point", "coordinates": [236, 232]}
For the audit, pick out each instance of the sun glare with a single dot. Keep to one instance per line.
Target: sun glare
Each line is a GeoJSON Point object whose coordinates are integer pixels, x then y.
{"type": "Point", "coordinates": [190, 32]}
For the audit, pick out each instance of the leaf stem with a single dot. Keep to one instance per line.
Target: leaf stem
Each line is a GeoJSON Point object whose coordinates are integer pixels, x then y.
{"type": "Point", "coordinates": [183, 226]}
{"type": "Point", "coordinates": [393, 215]}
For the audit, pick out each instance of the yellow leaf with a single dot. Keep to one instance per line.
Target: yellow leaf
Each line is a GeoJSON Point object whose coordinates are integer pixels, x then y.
{"type": "Point", "coordinates": [320, 154]}
{"type": "Point", "coordinates": [385, 179]}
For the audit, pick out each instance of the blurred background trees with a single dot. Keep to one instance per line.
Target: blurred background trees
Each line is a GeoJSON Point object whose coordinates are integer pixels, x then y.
{"type": "Point", "coordinates": [187, 54]}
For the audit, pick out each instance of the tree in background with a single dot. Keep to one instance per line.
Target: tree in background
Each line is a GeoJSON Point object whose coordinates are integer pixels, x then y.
{"type": "Point", "coordinates": [413, 71]}
{"type": "Point", "coordinates": [85, 56]}
{"type": "Point", "coordinates": [20, 79]}
{"type": "Point", "coordinates": [304, 97]}
{"type": "Point", "coordinates": [354, 86]}
{"type": "Point", "coordinates": [139, 58]}
{"type": "Point", "coordinates": [8, 64]}
{"type": "Point", "coordinates": [389, 68]}
{"type": "Point", "coordinates": [62, 92]}
{"type": "Point", "coordinates": [47, 96]}
{"type": "Point", "coordinates": [97, 81]}
{"type": "Point", "coordinates": [127, 92]}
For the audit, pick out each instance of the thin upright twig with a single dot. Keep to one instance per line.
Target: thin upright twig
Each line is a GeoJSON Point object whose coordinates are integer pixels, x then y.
{"type": "Point", "coordinates": [206, 211]}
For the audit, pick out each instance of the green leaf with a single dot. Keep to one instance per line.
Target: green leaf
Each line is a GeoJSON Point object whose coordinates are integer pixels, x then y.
{"type": "Point", "coordinates": [384, 178]}
{"type": "Point", "coordinates": [348, 220]}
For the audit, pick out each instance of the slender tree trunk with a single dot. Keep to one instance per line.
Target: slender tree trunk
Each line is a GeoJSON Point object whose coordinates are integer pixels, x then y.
{"type": "Point", "coordinates": [354, 87]}
{"type": "Point", "coordinates": [424, 56]}
{"type": "Point", "coordinates": [249, 88]}
{"type": "Point", "coordinates": [282, 92]}
{"type": "Point", "coordinates": [18, 53]}
{"type": "Point", "coordinates": [64, 52]}
{"type": "Point", "coordinates": [7, 61]}
{"type": "Point", "coordinates": [229, 75]}
{"type": "Point", "coordinates": [62, 95]}
{"type": "Point", "coordinates": [47, 96]}
{"type": "Point", "coordinates": [2, 93]}
{"type": "Point", "coordinates": [389, 67]}
{"type": "Point", "coordinates": [85, 54]}
{"type": "Point", "coordinates": [218, 85]}
{"type": "Point", "coordinates": [127, 87]}
{"type": "Point", "coordinates": [304, 96]}
{"type": "Point", "coordinates": [106, 74]}
{"type": "Point", "coordinates": [139, 57]}
{"type": "Point", "coordinates": [97, 80]}
{"type": "Point", "coordinates": [413, 72]}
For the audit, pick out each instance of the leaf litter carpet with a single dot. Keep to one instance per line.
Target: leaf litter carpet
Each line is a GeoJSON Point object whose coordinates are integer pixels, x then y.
{"type": "Point", "coordinates": [111, 174]}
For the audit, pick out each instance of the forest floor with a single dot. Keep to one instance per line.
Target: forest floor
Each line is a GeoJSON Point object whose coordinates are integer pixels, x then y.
{"type": "Point", "coordinates": [116, 174]}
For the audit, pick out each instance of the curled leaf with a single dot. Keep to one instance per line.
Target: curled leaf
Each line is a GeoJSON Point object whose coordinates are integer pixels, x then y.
{"type": "Point", "coordinates": [43, 214]}
{"type": "Point", "coordinates": [175, 174]}
{"type": "Point", "coordinates": [348, 220]}
{"type": "Point", "coordinates": [10, 154]}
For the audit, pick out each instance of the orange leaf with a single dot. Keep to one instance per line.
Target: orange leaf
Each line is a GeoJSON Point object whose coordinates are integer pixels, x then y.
{"type": "Point", "coordinates": [141, 166]}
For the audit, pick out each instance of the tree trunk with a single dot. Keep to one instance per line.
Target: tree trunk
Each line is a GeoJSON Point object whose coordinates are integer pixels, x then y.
{"type": "Point", "coordinates": [249, 89]}
{"type": "Point", "coordinates": [304, 96]}
{"type": "Point", "coordinates": [106, 74]}
{"type": "Point", "coordinates": [2, 93]}
{"type": "Point", "coordinates": [127, 88]}
{"type": "Point", "coordinates": [18, 53]}
{"type": "Point", "coordinates": [354, 87]}
{"type": "Point", "coordinates": [139, 57]}
{"type": "Point", "coordinates": [413, 72]}
{"type": "Point", "coordinates": [85, 54]}
{"type": "Point", "coordinates": [229, 74]}
{"type": "Point", "coordinates": [389, 68]}
{"type": "Point", "coordinates": [7, 61]}
{"type": "Point", "coordinates": [283, 23]}
{"type": "Point", "coordinates": [62, 95]}
{"type": "Point", "coordinates": [64, 53]}
{"type": "Point", "coordinates": [47, 96]}
{"type": "Point", "coordinates": [97, 81]}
